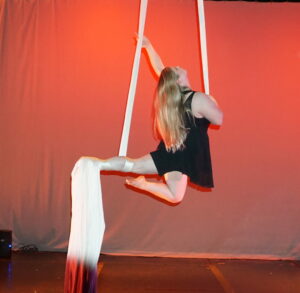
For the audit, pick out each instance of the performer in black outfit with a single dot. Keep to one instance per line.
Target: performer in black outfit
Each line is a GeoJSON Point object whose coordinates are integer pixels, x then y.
{"type": "Point", "coordinates": [182, 117]}
{"type": "Point", "coordinates": [194, 157]}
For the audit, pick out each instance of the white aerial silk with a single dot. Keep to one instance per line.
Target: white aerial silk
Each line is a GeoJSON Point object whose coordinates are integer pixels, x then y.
{"type": "Point", "coordinates": [87, 224]}
{"type": "Point", "coordinates": [133, 82]}
{"type": "Point", "coordinates": [136, 63]}
{"type": "Point", "coordinates": [87, 227]}
{"type": "Point", "coordinates": [202, 32]}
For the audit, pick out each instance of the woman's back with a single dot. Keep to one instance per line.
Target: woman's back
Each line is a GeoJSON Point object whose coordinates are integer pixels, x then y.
{"type": "Point", "coordinates": [194, 159]}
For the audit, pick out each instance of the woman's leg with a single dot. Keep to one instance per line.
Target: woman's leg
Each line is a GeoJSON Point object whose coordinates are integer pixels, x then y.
{"type": "Point", "coordinates": [173, 190]}
{"type": "Point", "coordinates": [143, 165]}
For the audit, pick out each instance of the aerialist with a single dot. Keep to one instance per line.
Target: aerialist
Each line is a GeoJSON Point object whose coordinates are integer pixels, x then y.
{"type": "Point", "coordinates": [182, 117]}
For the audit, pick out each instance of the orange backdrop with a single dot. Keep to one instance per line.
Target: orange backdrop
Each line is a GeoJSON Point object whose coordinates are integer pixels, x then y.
{"type": "Point", "coordinates": [64, 77]}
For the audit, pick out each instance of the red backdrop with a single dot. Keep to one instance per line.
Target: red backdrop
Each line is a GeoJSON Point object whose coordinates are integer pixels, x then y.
{"type": "Point", "coordinates": [65, 72]}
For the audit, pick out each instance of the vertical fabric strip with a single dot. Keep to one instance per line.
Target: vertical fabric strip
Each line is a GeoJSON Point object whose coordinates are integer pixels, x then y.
{"type": "Point", "coordinates": [133, 82]}
{"type": "Point", "coordinates": [203, 47]}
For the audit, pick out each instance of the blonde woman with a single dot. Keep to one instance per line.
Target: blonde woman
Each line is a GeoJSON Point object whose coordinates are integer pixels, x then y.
{"type": "Point", "coordinates": [182, 117]}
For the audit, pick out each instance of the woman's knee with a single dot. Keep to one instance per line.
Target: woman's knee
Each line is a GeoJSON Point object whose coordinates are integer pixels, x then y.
{"type": "Point", "coordinates": [178, 196]}
{"type": "Point", "coordinates": [176, 182]}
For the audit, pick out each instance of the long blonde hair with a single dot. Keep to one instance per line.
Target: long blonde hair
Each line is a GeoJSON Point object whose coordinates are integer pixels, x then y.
{"type": "Point", "coordinates": [169, 111]}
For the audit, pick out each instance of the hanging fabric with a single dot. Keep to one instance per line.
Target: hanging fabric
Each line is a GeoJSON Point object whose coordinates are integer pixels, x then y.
{"type": "Point", "coordinates": [87, 220]}
{"type": "Point", "coordinates": [202, 32]}
{"type": "Point", "coordinates": [87, 227]}
{"type": "Point", "coordinates": [133, 82]}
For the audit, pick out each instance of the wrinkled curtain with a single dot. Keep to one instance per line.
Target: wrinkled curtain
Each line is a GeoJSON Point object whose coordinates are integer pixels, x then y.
{"type": "Point", "coordinates": [64, 76]}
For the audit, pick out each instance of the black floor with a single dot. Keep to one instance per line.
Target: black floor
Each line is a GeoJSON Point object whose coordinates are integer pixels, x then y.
{"type": "Point", "coordinates": [44, 272]}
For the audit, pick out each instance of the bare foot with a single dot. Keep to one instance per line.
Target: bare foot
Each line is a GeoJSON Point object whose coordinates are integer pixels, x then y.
{"type": "Point", "coordinates": [138, 182]}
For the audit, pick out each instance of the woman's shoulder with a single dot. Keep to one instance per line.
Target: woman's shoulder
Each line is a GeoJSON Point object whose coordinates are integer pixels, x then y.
{"type": "Point", "coordinates": [189, 93]}
{"type": "Point", "coordinates": [200, 95]}
{"type": "Point", "coordinates": [197, 96]}
{"type": "Point", "coordinates": [193, 100]}
{"type": "Point", "coordinates": [204, 105]}
{"type": "Point", "coordinates": [200, 99]}
{"type": "Point", "coordinates": [201, 104]}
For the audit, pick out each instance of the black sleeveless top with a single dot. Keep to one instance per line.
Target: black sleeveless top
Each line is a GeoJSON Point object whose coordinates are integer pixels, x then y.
{"type": "Point", "coordinates": [194, 160]}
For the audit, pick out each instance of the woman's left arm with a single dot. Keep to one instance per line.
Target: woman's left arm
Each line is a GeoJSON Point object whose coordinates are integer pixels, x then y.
{"type": "Point", "coordinates": [207, 106]}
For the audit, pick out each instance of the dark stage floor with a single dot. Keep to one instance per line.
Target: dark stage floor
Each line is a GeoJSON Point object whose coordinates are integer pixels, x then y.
{"type": "Point", "coordinates": [44, 272]}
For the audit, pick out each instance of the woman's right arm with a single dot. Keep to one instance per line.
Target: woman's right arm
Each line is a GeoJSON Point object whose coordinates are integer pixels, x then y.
{"type": "Point", "coordinates": [154, 58]}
